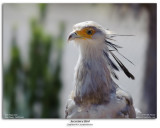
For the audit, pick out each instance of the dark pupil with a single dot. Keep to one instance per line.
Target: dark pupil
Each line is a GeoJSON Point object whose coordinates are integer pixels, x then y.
{"type": "Point", "coordinates": [89, 32]}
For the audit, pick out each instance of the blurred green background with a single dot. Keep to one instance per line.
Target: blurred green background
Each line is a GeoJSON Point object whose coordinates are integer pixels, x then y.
{"type": "Point", "coordinates": [38, 82]}
{"type": "Point", "coordinates": [38, 63]}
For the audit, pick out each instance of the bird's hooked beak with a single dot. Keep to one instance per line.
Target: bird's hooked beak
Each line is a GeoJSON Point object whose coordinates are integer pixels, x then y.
{"type": "Point", "coordinates": [72, 36]}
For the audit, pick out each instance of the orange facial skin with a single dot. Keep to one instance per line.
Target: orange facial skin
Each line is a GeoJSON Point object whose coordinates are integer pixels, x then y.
{"type": "Point", "coordinates": [86, 33]}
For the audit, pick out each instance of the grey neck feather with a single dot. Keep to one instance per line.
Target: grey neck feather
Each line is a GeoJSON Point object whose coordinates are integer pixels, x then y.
{"type": "Point", "coordinates": [93, 82]}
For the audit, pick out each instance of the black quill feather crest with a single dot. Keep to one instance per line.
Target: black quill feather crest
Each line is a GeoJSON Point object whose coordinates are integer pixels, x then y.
{"type": "Point", "coordinates": [113, 65]}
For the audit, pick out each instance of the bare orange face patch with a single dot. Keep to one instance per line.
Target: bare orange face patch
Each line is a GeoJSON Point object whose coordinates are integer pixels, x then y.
{"type": "Point", "coordinates": [86, 33]}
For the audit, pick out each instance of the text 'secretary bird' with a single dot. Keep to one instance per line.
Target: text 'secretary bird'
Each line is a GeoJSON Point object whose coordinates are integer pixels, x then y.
{"type": "Point", "coordinates": [95, 94]}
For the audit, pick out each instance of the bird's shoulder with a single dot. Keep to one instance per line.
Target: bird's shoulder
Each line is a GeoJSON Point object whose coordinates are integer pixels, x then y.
{"type": "Point", "coordinates": [122, 94]}
{"type": "Point", "coordinates": [115, 108]}
{"type": "Point", "coordinates": [129, 108]}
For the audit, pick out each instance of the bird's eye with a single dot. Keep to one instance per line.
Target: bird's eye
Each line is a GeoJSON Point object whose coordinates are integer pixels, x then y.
{"type": "Point", "coordinates": [89, 32]}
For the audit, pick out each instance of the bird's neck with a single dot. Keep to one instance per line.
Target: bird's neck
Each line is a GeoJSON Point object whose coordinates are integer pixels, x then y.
{"type": "Point", "coordinates": [88, 51]}
{"type": "Point", "coordinates": [92, 78]}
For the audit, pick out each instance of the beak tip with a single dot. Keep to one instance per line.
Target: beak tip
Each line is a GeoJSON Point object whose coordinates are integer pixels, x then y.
{"type": "Point", "coordinates": [70, 36]}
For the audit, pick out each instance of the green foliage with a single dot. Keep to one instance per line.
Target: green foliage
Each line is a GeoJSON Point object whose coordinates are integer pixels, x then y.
{"type": "Point", "coordinates": [33, 90]}
{"type": "Point", "coordinates": [11, 77]}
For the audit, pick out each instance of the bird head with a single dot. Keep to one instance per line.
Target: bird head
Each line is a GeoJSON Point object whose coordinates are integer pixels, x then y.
{"type": "Point", "coordinates": [88, 32]}
{"type": "Point", "coordinates": [95, 42]}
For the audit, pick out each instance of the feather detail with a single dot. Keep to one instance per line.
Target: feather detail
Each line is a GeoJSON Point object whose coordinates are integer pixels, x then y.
{"type": "Point", "coordinates": [114, 74]}
{"type": "Point", "coordinates": [114, 46]}
{"type": "Point", "coordinates": [111, 34]}
{"type": "Point", "coordinates": [123, 67]}
{"type": "Point", "coordinates": [110, 61]}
